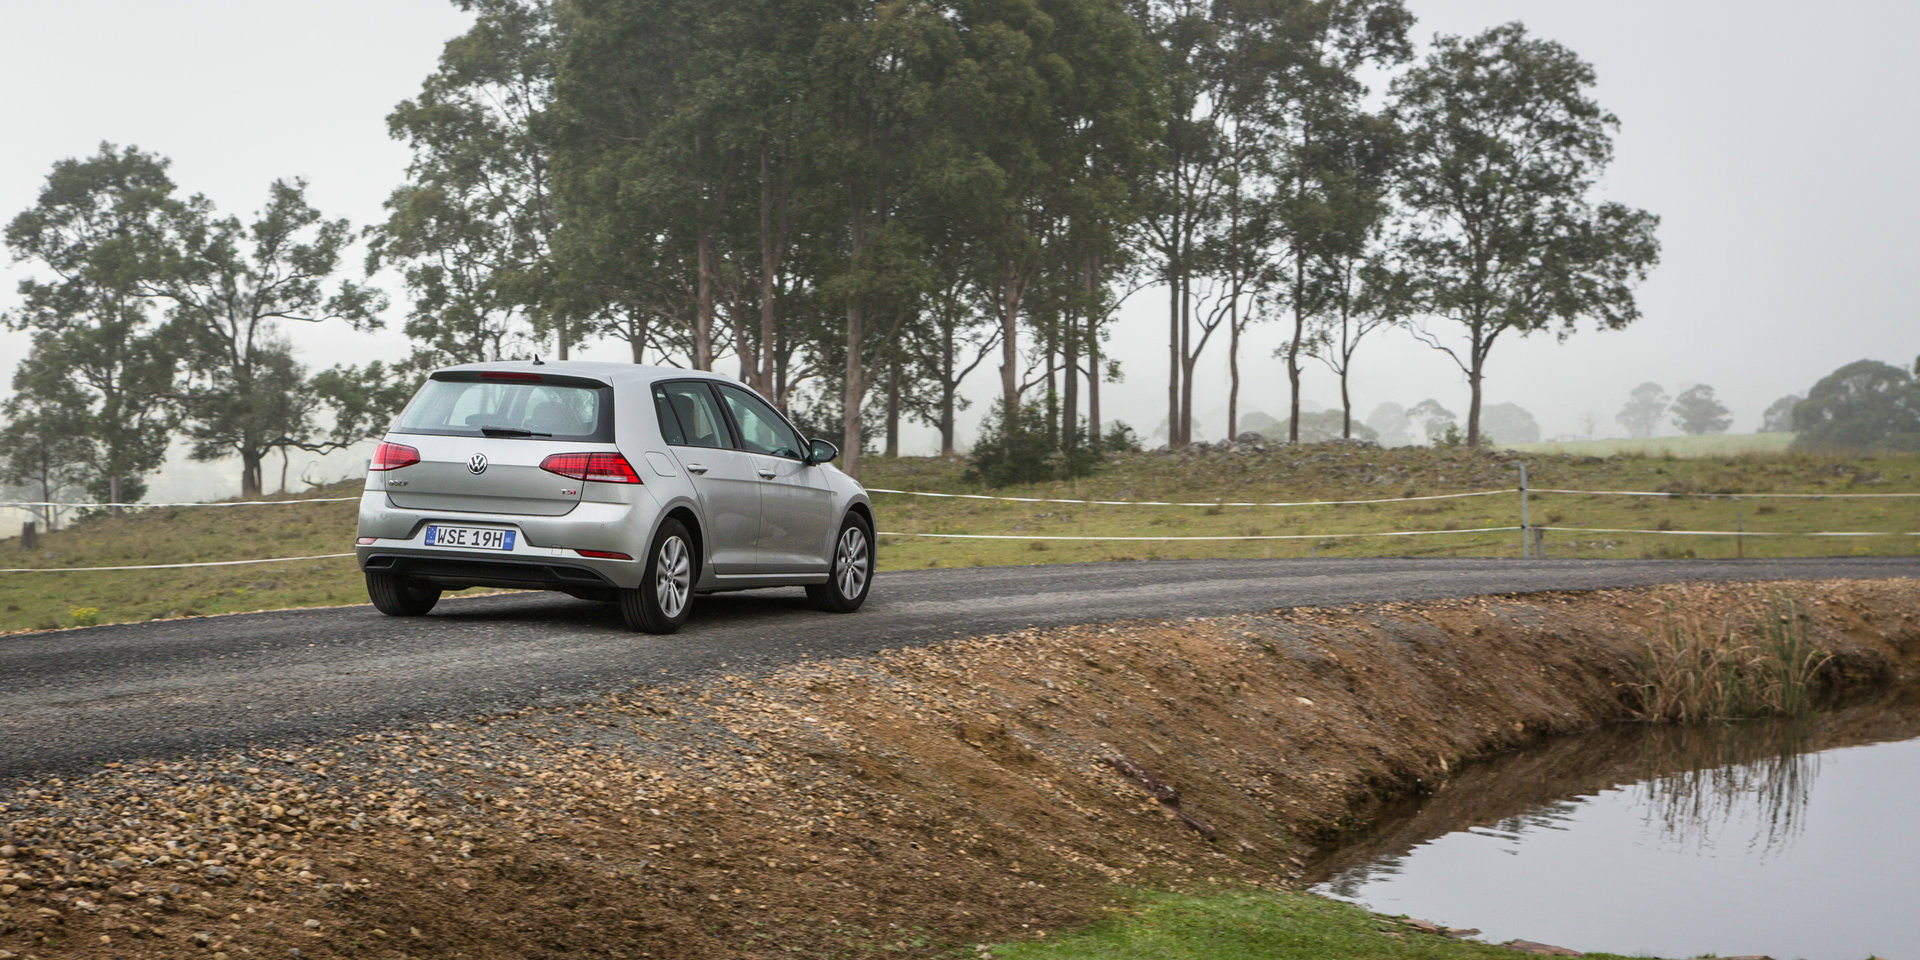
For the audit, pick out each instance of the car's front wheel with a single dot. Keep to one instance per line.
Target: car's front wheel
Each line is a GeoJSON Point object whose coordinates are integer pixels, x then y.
{"type": "Point", "coordinates": [665, 595]}
{"type": "Point", "coordinates": [398, 596]}
{"type": "Point", "coordinates": [851, 574]}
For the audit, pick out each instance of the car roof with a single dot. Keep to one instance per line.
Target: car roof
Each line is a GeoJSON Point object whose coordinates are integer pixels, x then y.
{"type": "Point", "coordinates": [613, 374]}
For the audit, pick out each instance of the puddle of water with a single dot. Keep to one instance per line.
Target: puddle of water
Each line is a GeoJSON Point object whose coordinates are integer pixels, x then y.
{"type": "Point", "coordinates": [1792, 840]}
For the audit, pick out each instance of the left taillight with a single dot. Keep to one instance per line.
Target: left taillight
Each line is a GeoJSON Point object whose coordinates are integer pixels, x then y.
{"type": "Point", "coordinates": [393, 456]}
{"type": "Point", "coordinates": [603, 467]}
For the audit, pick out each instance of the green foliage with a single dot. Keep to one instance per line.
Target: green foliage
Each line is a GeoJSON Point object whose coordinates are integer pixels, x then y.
{"type": "Point", "coordinates": [99, 366]}
{"type": "Point", "coordinates": [362, 400]}
{"type": "Point", "coordinates": [1245, 925]}
{"type": "Point", "coordinates": [1644, 406]}
{"type": "Point", "coordinates": [84, 616]}
{"type": "Point", "coordinates": [1766, 666]}
{"type": "Point", "coordinates": [1696, 412]}
{"type": "Point", "coordinates": [471, 229]}
{"type": "Point", "coordinates": [229, 285]}
{"type": "Point", "coordinates": [1503, 149]}
{"type": "Point", "coordinates": [1022, 449]}
{"type": "Point", "coordinates": [1320, 427]}
{"type": "Point", "coordinates": [1510, 423]}
{"type": "Point", "coordinates": [1865, 405]}
{"type": "Point", "coordinates": [1779, 415]}
{"type": "Point", "coordinates": [1120, 438]}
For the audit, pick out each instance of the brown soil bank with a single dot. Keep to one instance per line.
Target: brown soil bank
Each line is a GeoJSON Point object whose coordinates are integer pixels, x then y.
{"type": "Point", "coordinates": [912, 802]}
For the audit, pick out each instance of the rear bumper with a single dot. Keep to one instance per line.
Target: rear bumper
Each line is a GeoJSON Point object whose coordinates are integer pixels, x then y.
{"type": "Point", "coordinates": [456, 571]}
{"type": "Point", "coordinates": [543, 557]}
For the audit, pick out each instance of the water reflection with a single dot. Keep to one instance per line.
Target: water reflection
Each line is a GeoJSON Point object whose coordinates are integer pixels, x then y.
{"type": "Point", "coordinates": [1776, 838]}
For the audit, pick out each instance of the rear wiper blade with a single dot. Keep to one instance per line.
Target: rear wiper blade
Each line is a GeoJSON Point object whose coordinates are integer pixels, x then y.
{"type": "Point", "coordinates": [511, 432]}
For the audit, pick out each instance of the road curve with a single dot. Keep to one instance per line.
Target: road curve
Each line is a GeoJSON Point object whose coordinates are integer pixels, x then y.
{"type": "Point", "coordinates": [76, 698]}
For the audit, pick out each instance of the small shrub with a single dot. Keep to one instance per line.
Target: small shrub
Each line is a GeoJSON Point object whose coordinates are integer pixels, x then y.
{"type": "Point", "coordinates": [1691, 674]}
{"type": "Point", "coordinates": [1022, 450]}
{"type": "Point", "coordinates": [84, 616]}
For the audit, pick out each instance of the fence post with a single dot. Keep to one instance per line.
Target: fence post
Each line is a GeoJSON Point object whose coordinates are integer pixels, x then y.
{"type": "Point", "coordinates": [27, 531]}
{"type": "Point", "coordinates": [1739, 542]}
{"type": "Point", "coordinates": [1526, 529]}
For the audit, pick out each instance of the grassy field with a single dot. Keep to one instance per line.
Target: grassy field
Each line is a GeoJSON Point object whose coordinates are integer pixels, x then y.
{"type": "Point", "coordinates": [1247, 925]}
{"type": "Point", "coordinates": [30, 601]}
{"type": "Point", "coordinates": [1716, 445]}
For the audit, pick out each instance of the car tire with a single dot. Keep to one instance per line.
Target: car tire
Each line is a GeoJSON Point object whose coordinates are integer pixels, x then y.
{"type": "Point", "coordinates": [398, 596]}
{"type": "Point", "coordinates": [665, 595]}
{"type": "Point", "coordinates": [850, 575]}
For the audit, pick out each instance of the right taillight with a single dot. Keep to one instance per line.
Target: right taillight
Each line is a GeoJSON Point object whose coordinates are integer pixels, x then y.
{"type": "Point", "coordinates": [603, 467]}
{"type": "Point", "coordinates": [393, 456]}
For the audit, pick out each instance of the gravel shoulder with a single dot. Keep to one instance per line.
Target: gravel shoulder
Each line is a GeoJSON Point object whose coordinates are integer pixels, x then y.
{"type": "Point", "coordinates": [911, 801]}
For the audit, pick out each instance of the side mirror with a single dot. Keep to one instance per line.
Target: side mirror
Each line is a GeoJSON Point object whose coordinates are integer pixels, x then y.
{"type": "Point", "coordinates": [821, 451]}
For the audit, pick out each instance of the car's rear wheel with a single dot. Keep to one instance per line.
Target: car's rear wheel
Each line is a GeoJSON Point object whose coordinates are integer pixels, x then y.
{"type": "Point", "coordinates": [665, 595]}
{"type": "Point", "coordinates": [398, 596]}
{"type": "Point", "coordinates": [851, 574]}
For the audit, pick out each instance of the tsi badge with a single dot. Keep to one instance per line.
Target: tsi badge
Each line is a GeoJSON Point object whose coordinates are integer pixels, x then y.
{"type": "Point", "coordinates": [477, 464]}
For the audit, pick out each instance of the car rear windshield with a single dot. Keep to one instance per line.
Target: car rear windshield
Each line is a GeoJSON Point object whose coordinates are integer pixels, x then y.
{"type": "Point", "coordinates": [468, 404]}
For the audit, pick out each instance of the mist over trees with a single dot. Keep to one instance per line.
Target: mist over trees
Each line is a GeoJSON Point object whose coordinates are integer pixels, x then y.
{"type": "Point", "coordinates": [859, 208]}
{"type": "Point", "coordinates": [1696, 412]}
{"type": "Point", "coordinates": [1863, 406]}
{"type": "Point", "coordinates": [1641, 414]}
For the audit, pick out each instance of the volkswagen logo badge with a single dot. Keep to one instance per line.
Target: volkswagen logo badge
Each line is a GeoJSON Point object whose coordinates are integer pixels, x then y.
{"type": "Point", "coordinates": [477, 464]}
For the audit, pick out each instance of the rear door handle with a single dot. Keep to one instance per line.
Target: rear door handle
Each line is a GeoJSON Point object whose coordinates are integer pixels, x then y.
{"type": "Point", "coordinates": [766, 474]}
{"type": "Point", "coordinates": [696, 468]}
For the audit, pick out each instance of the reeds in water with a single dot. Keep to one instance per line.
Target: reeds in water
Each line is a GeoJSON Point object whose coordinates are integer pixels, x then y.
{"type": "Point", "coordinates": [1759, 663]}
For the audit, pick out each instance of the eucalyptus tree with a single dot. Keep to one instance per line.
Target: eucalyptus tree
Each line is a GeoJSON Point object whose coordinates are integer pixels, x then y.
{"type": "Point", "coordinates": [44, 449]}
{"type": "Point", "coordinates": [1641, 413]}
{"type": "Point", "coordinates": [471, 230]}
{"type": "Point", "coordinates": [1696, 411]}
{"type": "Point", "coordinates": [1503, 148]}
{"type": "Point", "coordinates": [1184, 195]}
{"type": "Point", "coordinates": [91, 239]}
{"type": "Point", "coordinates": [229, 286]}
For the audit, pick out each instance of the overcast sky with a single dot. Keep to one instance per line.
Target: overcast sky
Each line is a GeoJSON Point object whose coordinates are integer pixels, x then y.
{"type": "Point", "coordinates": [1775, 140]}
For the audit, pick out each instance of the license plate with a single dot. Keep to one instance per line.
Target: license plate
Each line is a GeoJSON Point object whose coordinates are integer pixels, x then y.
{"type": "Point", "coordinates": [472, 538]}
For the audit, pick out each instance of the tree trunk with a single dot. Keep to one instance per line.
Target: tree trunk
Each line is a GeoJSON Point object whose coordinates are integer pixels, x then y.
{"type": "Point", "coordinates": [1474, 375]}
{"type": "Point", "coordinates": [1173, 361]}
{"type": "Point", "coordinates": [702, 358]}
{"type": "Point", "coordinates": [893, 408]}
{"type": "Point", "coordinates": [948, 389]}
{"type": "Point", "coordinates": [762, 379]}
{"type": "Point", "coordinates": [1185, 423]}
{"type": "Point", "coordinates": [559, 334]}
{"type": "Point", "coordinates": [852, 395]}
{"type": "Point", "coordinates": [1093, 354]}
{"type": "Point", "coordinates": [250, 471]}
{"type": "Point", "coordinates": [1233, 369]}
{"type": "Point", "coordinates": [1070, 392]}
{"type": "Point", "coordinates": [1010, 346]}
{"type": "Point", "coordinates": [1293, 347]}
{"type": "Point", "coordinates": [1054, 433]}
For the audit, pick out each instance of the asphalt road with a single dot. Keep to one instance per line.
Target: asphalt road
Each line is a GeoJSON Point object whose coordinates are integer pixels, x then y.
{"type": "Point", "coordinates": [72, 699]}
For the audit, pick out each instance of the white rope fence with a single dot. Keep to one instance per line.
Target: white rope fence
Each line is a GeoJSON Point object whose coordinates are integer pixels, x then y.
{"type": "Point", "coordinates": [189, 503]}
{"type": "Point", "coordinates": [1194, 503]}
{"type": "Point", "coordinates": [1523, 490]}
{"type": "Point", "coordinates": [178, 566]}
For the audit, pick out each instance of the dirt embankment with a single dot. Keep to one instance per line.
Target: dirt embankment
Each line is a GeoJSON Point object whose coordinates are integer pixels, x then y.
{"type": "Point", "coordinates": [979, 790]}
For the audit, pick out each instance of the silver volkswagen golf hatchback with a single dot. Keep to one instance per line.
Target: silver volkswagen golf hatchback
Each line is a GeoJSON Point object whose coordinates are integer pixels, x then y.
{"type": "Point", "coordinates": [639, 485]}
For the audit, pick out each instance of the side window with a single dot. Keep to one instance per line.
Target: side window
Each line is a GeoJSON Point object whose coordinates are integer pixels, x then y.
{"type": "Point", "coordinates": [761, 429]}
{"type": "Point", "coordinates": [688, 416]}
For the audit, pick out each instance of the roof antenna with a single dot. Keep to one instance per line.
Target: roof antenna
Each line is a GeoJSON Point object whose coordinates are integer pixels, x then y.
{"type": "Point", "coordinates": [536, 361]}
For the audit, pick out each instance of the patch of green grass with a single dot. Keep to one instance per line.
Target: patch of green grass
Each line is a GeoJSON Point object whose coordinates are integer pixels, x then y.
{"type": "Point", "coordinates": [1246, 925]}
{"type": "Point", "coordinates": [1714, 445]}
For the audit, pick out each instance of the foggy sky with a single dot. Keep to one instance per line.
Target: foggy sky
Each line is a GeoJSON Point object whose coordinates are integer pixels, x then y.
{"type": "Point", "coordinates": [1774, 140]}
